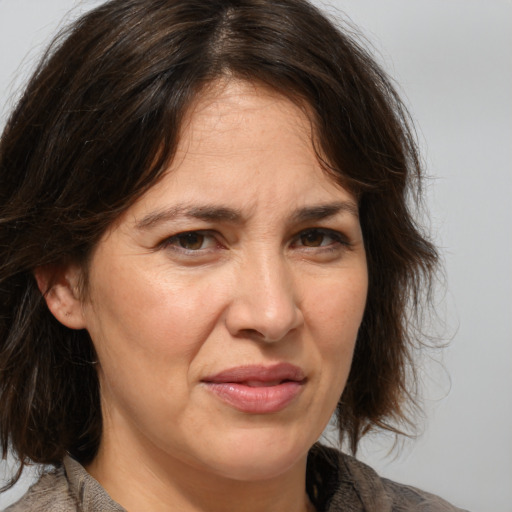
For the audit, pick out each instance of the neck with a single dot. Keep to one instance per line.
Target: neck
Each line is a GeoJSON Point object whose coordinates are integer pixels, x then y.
{"type": "Point", "coordinates": [146, 479]}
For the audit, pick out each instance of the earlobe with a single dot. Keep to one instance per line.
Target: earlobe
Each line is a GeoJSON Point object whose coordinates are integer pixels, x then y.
{"type": "Point", "coordinates": [59, 286]}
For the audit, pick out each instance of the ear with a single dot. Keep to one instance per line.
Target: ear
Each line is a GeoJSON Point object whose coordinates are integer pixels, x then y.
{"type": "Point", "coordinates": [59, 285]}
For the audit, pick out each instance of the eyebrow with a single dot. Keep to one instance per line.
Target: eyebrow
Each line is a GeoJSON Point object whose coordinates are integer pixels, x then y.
{"type": "Point", "coordinates": [324, 211]}
{"type": "Point", "coordinates": [205, 213]}
{"type": "Point", "coordinates": [210, 213]}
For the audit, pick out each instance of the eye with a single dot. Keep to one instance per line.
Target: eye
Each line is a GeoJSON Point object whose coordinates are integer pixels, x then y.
{"type": "Point", "coordinates": [320, 238]}
{"type": "Point", "coordinates": [191, 241]}
{"type": "Point", "coordinates": [313, 238]}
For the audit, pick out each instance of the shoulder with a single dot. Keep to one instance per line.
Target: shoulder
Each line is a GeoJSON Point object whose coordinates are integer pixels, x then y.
{"type": "Point", "coordinates": [406, 496]}
{"type": "Point", "coordinates": [50, 493]}
{"type": "Point", "coordinates": [401, 498]}
{"type": "Point", "coordinates": [69, 488]}
{"type": "Point", "coordinates": [349, 484]}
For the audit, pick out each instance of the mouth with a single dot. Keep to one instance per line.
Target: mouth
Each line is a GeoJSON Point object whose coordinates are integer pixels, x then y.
{"type": "Point", "coordinates": [261, 384]}
{"type": "Point", "coordinates": [257, 389]}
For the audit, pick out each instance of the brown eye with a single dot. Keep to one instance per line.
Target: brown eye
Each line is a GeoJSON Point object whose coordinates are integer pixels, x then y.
{"type": "Point", "coordinates": [319, 238]}
{"type": "Point", "coordinates": [191, 241]}
{"type": "Point", "coordinates": [314, 238]}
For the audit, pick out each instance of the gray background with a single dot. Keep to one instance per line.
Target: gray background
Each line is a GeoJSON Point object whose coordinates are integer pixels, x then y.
{"type": "Point", "coordinates": [452, 59]}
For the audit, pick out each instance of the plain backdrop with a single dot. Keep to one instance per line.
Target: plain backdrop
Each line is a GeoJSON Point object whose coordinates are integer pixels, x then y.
{"type": "Point", "coordinates": [452, 61]}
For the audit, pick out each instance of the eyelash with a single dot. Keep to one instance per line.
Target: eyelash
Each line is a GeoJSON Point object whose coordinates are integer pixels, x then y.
{"type": "Point", "coordinates": [338, 239]}
{"type": "Point", "coordinates": [173, 242]}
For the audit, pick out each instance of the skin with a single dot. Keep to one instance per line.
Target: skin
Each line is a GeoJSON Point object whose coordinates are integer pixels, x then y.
{"type": "Point", "coordinates": [258, 286]}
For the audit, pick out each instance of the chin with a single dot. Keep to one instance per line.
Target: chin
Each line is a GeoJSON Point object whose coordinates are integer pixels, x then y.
{"type": "Point", "coordinates": [260, 457]}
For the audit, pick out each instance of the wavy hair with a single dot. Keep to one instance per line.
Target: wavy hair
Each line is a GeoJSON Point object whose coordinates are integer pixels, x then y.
{"type": "Point", "coordinates": [97, 126]}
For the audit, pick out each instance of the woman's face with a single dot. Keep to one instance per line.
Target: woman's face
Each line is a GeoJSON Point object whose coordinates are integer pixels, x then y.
{"type": "Point", "coordinates": [224, 305]}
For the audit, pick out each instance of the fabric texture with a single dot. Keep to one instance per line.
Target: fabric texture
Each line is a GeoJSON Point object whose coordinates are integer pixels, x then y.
{"type": "Point", "coordinates": [335, 482]}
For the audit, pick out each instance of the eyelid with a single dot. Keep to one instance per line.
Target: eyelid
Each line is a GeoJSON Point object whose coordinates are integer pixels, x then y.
{"type": "Point", "coordinates": [339, 241]}
{"type": "Point", "coordinates": [168, 242]}
{"type": "Point", "coordinates": [337, 236]}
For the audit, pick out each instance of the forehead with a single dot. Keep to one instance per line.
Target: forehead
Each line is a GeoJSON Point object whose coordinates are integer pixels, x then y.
{"type": "Point", "coordinates": [232, 114]}
{"type": "Point", "coordinates": [243, 144]}
{"type": "Point", "coordinates": [235, 119]}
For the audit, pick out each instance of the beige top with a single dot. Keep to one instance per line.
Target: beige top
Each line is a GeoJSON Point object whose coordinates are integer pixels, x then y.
{"type": "Point", "coordinates": [335, 483]}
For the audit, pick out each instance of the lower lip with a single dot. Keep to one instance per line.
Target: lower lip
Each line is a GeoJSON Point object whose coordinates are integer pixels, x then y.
{"type": "Point", "coordinates": [256, 400]}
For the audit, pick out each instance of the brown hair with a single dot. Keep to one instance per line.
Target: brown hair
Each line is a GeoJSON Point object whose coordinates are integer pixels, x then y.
{"type": "Point", "coordinates": [96, 127]}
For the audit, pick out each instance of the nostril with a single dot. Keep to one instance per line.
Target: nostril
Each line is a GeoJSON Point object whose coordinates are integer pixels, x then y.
{"type": "Point", "coordinates": [251, 333]}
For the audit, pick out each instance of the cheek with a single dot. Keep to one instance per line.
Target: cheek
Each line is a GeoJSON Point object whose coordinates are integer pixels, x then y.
{"type": "Point", "coordinates": [146, 334]}
{"type": "Point", "coordinates": [144, 305]}
{"type": "Point", "coordinates": [336, 306]}
{"type": "Point", "coordinates": [149, 326]}
{"type": "Point", "coordinates": [335, 315]}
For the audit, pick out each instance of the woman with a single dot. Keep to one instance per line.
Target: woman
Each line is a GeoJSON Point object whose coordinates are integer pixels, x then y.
{"type": "Point", "coordinates": [206, 251]}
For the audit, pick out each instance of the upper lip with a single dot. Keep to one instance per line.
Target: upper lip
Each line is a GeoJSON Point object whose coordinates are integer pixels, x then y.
{"type": "Point", "coordinates": [258, 373]}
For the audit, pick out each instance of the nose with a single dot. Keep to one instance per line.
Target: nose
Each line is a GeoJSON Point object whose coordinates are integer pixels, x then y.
{"type": "Point", "coordinates": [264, 304]}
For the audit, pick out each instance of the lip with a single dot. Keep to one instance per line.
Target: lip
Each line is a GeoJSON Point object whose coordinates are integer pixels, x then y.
{"type": "Point", "coordinates": [257, 389]}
